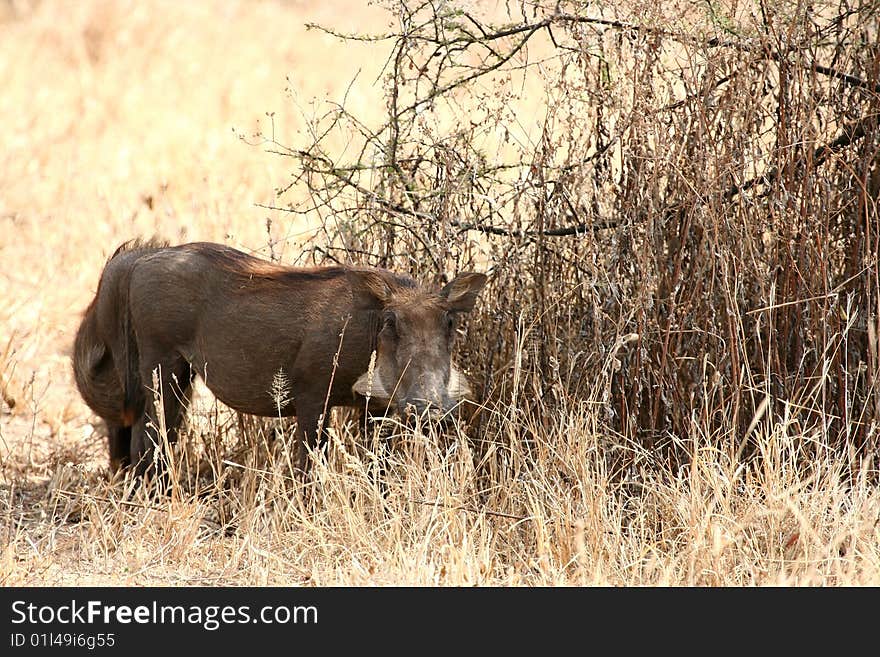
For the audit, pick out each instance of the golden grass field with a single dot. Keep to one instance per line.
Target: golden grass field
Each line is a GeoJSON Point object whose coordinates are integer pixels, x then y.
{"type": "Point", "coordinates": [120, 119]}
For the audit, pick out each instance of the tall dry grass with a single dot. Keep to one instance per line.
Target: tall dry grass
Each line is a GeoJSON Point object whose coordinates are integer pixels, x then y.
{"type": "Point", "coordinates": [678, 393]}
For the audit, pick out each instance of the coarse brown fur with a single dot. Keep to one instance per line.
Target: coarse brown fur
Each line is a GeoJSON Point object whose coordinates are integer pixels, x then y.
{"type": "Point", "coordinates": [241, 323]}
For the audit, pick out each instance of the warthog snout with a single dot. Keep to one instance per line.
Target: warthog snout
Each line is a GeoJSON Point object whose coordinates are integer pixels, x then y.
{"type": "Point", "coordinates": [442, 398]}
{"type": "Point", "coordinates": [437, 409]}
{"type": "Point", "coordinates": [434, 403]}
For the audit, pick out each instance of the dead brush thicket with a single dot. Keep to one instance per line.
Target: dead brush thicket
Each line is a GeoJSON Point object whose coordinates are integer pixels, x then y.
{"type": "Point", "coordinates": [675, 361]}
{"type": "Point", "coordinates": [705, 178]}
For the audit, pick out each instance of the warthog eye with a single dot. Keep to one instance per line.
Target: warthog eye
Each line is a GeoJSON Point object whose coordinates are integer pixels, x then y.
{"type": "Point", "coordinates": [389, 323]}
{"type": "Point", "coordinates": [450, 324]}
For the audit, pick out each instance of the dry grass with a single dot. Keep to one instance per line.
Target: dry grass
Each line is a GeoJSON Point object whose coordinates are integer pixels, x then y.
{"type": "Point", "coordinates": [118, 121]}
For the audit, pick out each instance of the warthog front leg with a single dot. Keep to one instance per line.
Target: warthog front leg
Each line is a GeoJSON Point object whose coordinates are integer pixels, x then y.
{"type": "Point", "coordinates": [311, 425]}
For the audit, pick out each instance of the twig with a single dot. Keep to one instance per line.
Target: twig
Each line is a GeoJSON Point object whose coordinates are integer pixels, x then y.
{"type": "Point", "coordinates": [849, 135]}
{"type": "Point", "coordinates": [489, 512]}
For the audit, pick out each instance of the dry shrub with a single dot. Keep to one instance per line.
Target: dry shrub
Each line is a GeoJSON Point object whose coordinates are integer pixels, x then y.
{"type": "Point", "coordinates": [703, 177]}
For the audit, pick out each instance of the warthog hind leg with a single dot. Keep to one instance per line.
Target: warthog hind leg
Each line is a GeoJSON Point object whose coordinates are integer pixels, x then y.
{"type": "Point", "coordinates": [175, 384]}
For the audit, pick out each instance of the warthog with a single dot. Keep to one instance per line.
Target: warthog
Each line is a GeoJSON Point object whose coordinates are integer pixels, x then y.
{"type": "Point", "coordinates": [266, 339]}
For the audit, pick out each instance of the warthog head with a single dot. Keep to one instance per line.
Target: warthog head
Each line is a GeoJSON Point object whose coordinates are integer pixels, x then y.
{"type": "Point", "coordinates": [413, 369]}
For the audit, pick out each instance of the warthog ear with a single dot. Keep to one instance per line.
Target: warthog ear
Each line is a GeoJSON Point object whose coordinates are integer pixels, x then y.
{"type": "Point", "coordinates": [461, 292]}
{"type": "Point", "coordinates": [371, 289]}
